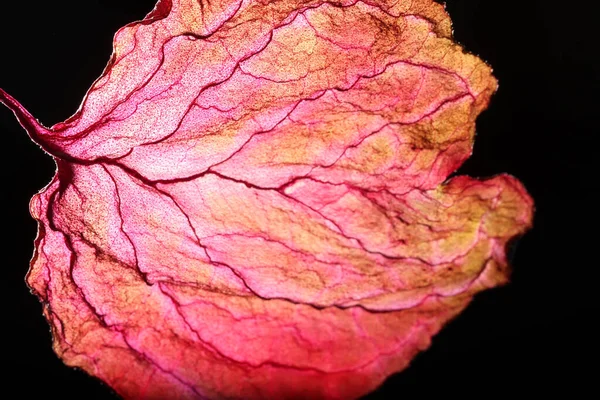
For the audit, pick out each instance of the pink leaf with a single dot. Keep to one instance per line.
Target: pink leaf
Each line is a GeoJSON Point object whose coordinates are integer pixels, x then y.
{"type": "Point", "coordinates": [251, 201]}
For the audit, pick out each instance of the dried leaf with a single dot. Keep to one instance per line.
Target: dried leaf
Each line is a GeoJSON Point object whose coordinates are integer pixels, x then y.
{"type": "Point", "coordinates": [251, 201]}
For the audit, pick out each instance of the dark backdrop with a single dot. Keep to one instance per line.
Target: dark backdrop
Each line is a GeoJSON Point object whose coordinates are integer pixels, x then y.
{"type": "Point", "coordinates": [533, 336]}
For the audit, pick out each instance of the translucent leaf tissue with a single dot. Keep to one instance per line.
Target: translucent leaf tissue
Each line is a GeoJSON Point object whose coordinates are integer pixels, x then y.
{"type": "Point", "coordinates": [253, 202]}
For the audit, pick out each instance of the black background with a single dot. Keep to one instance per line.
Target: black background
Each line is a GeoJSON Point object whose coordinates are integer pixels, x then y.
{"type": "Point", "coordinates": [535, 336]}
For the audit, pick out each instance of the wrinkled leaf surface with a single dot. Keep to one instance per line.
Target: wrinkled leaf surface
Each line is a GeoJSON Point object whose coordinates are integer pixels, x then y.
{"type": "Point", "coordinates": [252, 200]}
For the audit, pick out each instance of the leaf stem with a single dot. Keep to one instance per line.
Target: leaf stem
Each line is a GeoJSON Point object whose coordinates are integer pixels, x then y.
{"type": "Point", "coordinates": [36, 131]}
